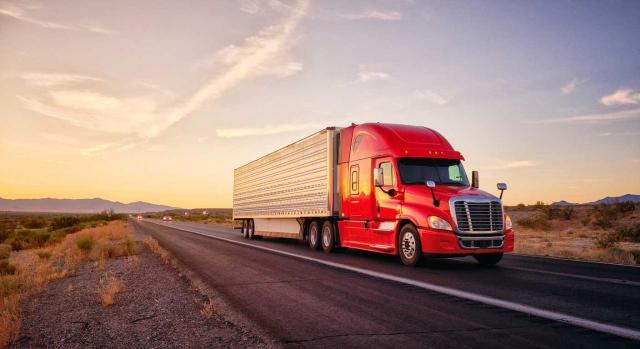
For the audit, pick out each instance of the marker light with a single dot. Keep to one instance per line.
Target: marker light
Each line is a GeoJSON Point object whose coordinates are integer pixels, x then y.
{"type": "Point", "coordinates": [507, 222]}
{"type": "Point", "coordinates": [436, 222]}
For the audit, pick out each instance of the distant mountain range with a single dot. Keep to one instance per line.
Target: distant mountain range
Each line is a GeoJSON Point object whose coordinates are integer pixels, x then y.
{"type": "Point", "coordinates": [607, 200]}
{"type": "Point", "coordinates": [78, 206]}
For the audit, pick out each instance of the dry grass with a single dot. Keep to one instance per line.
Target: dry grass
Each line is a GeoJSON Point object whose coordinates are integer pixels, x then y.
{"type": "Point", "coordinates": [208, 309]}
{"type": "Point", "coordinates": [577, 237]}
{"type": "Point", "coordinates": [155, 247]}
{"type": "Point", "coordinates": [36, 267]}
{"type": "Point", "coordinates": [110, 286]}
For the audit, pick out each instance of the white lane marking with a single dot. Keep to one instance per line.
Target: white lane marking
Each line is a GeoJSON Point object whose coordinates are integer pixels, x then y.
{"type": "Point", "coordinates": [547, 314]}
{"type": "Point", "coordinates": [576, 276]}
{"type": "Point", "coordinates": [574, 260]}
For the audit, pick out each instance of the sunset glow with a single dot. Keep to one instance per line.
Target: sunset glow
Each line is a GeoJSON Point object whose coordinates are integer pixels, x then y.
{"type": "Point", "coordinates": [160, 101]}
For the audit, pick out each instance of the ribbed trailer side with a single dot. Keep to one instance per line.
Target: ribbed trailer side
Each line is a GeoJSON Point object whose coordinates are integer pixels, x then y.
{"type": "Point", "coordinates": [296, 181]}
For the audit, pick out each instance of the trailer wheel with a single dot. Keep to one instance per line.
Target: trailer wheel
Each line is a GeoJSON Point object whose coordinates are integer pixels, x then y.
{"type": "Point", "coordinates": [314, 235]}
{"type": "Point", "coordinates": [251, 229]}
{"type": "Point", "coordinates": [488, 259]}
{"type": "Point", "coordinates": [245, 228]}
{"type": "Point", "coordinates": [409, 247]}
{"type": "Point", "coordinates": [328, 236]}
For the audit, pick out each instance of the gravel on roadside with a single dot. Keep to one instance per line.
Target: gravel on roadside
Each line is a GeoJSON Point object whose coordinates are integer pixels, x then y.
{"type": "Point", "coordinates": [157, 307]}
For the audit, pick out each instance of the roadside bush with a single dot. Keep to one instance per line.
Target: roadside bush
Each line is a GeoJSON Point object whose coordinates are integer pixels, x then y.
{"type": "Point", "coordinates": [44, 254]}
{"type": "Point", "coordinates": [7, 268]}
{"type": "Point", "coordinates": [606, 241]}
{"type": "Point", "coordinates": [520, 206]}
{"type": "Point", "coordinates": [567, 213]}
{"type": "Point", "coordinates": [551, 212]}
{"type": "Point", "coordinates": [85, 243]}
{"type": "Point", "coordinates": [629, 233]}
{"type": "Point", "coordinates": [129, 247]}
{"type": "Point", "coordinates": [5, 230]}
{"type": "Point", "coordinates": [536, 222]}
{"type": "Point", "coordinates": [603, 222]}
{"type": "Point", "coordinates": [26, 238]}
{"type": "Point", "coordinates": [624, 207]}
{"type": "Point", "coordinates": [34, 223]}
{"type": "Point", "coordinates": [64, 222]}
{"type": "Point", "coordinates": [5, 251]}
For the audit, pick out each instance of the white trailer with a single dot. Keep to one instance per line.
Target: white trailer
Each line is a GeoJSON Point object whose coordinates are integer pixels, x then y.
{"type": "Point", "coordinates": [272, 195]}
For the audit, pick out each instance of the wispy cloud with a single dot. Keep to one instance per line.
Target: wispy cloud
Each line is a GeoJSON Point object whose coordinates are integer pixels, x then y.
{"type": "Point", "coordinates": [375, 15]}
{"type": "Point", "coordinates": [266, 130]}
{"type": "Point", "coordinates": [138, 119]}
{"type": "Point", "coordinates": [591, 118]}
{"type": "Point", "coordinates": [431, 97]}
{"type": "Point", "coordinates": [366, 76]}
{"type": "Point", "coordinates": [54, 79]}
{"type": "Point", "coordinates": [626, 133]}
{"type": "Point", "coordinates": [571, 86]}
{"type": "Point", "coordinates": [621, 97]}
{"type": "Point", "coordinates": [21, 13]}
{"type": "Point", "coordinates": [513, 164]}
{"type": "Point", "coordinates": [257, 6]}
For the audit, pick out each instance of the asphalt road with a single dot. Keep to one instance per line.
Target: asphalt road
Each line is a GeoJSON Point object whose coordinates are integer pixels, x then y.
{"type": "Point", "coordinates": [369, 300]}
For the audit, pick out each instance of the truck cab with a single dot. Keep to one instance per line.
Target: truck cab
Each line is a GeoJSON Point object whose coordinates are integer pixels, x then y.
{"type": "Point", "coordinates": [404, 190]}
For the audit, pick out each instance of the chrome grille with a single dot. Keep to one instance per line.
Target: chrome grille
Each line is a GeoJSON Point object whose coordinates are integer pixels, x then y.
{"type": "Point", "coordinates": [478, 216]}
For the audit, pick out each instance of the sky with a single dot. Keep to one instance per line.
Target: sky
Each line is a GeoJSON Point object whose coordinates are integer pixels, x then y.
{"type": "Point", "coordinates": [160, 100]}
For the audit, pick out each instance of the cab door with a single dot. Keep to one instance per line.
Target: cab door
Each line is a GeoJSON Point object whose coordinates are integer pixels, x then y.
{"type": "Point", "coordinates": [387, 207]}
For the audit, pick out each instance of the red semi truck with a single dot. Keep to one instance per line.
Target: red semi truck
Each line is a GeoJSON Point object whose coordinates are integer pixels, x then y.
{"type": "Point", "coordinates": [388, 188]}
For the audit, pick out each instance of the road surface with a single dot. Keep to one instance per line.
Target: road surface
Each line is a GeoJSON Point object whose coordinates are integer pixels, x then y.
{"type": "Point", "coordinates": [306, 298]}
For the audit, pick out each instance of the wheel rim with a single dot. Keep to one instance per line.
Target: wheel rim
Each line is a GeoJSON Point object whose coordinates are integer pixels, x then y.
{"type": "Point", "coordinates": [314, 235]}
{"type": "Point", "coordinates": [326, 236]}
{"type": "Point", "coordinates": [408, 245]}
{"type": "Point", "coordinates": [244, 229]}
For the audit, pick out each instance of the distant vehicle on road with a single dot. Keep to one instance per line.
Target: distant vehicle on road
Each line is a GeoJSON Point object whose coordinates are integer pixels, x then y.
{"type": "Point", "coordinates": [139, 217]}
{"type": "Point", "coordinates": [167, 218]}
{"type": "Point", "coordinates": [387, 188]}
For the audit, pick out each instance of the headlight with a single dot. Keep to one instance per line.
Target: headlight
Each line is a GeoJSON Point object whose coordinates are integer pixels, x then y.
{"type": "Point", "coordinates": [507, 222]}
{"type": "Point", "coordinates": [439, 223]}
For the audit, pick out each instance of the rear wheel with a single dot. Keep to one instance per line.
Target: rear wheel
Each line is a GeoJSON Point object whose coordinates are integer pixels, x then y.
{"type": "Point", "coordinates": [251, 229]}
{"type": "Point", "coordinates": [409, 247]}
{"type": "Point", "coordinates": [245, 224]}
{"type": "Point", "coordinates": [314, 235]}
{"type": "Point", "coordinates": [328, 236]}
{"type": "Point", "coordinates": [488, 259]}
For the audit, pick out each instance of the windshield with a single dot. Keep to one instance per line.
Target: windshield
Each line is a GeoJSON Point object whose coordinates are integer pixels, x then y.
{"type": "Point", "coordinates": [441, 171]}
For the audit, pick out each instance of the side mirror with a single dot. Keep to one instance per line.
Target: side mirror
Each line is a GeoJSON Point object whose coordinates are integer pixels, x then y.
{"type": "Point", "coordinates": [431, 184]}
{"type": "Point", "coordinates": [378, 177]}
{"type": "Point", "coordinates": [475, 179]}
{"type": "Point", "coordinates": [502, 187]}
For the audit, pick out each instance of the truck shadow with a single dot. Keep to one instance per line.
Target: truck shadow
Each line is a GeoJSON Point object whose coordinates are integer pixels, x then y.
{"type": "Point", "coordinates": [366, 258]}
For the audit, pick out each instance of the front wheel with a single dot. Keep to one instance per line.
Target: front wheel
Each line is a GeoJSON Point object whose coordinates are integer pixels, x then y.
{"type": "Point", "coordinates": [488, 259]}
{"type": "Point", "coordinates": [409, 247]}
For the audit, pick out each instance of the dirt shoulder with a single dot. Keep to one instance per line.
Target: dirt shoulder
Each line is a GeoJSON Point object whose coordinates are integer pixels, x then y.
{"type": "Point", "coordinates": [155, 306]}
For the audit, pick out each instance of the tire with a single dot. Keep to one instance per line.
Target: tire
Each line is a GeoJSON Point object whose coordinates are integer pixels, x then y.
{"type": "Point", "coordinates": [409, 246]}
{"type": "Point", "coordinates": [251, 229]}
{"type": "Point", "coordinates": [245, 229]}
{"type": "Point", "coordinates": [328, 236]}
{"type": "Point", "coordinates": [314, 235]}
{"type": "Point", "coordinates": [488, 259]}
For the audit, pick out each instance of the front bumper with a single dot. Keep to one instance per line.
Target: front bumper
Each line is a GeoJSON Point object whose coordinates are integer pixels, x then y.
{"type": "Point", "coordinates": [447, 242]}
